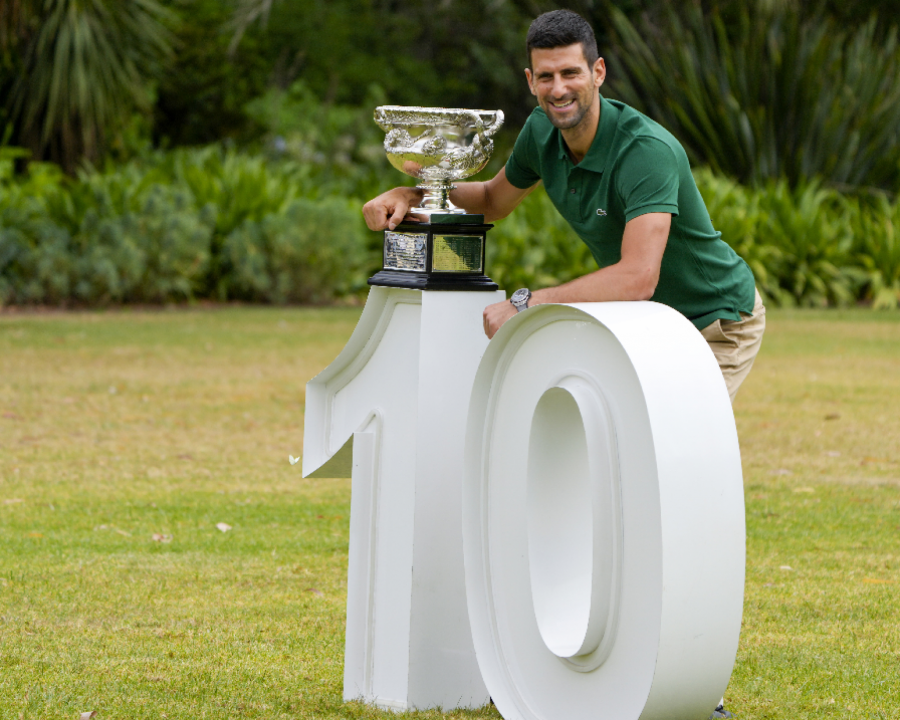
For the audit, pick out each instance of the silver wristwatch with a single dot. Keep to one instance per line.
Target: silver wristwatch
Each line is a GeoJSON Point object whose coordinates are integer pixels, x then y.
{"type": "Point", "coordinates": [520, 299]}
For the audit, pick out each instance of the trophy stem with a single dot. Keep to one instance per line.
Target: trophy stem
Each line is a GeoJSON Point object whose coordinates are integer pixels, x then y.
{"type": "Point", "coordinates": [437, 200]}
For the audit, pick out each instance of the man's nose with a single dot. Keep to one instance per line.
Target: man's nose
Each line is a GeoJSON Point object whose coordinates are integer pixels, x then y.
{"type": "Point", "coordinates": [559, 87]}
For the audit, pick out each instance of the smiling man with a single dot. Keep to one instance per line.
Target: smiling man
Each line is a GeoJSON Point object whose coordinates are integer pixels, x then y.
{"type": "Point", "coordinates": [624, 184]}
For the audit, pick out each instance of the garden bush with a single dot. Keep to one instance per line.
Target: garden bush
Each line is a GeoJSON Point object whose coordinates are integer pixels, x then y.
{"type": "Point", "coordinates": [219, 224]}
{"type": "Point", "coordinates": [158, 253]}
{"type": "Point", "coordinates": [875, 224]}
{"type": "Point", "coordinates": [310, 253]}
{"type": "Point", "coordinates": [207, 223]}
{"type": "Point", "coordinates": [809, 246]}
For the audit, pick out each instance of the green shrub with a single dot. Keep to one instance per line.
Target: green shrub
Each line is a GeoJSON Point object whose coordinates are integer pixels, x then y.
{"type": "Point", "coordinates": [876, 231]}
{"type": "Point", "coordinates": [215, 223]}
{"type": "Point", "coordinates": [810, 228]}
{"type": "Point", "coordinates": [240, 186]}
{"type": "Point", "coordinates": [157, 253]}
{"type": "Point", "coordinates": [170, 228]}
{"type": "Point", "coordinates": [799, 243]}
{"type": "Point", "coordinates": [535, 247]}
{"type": "Point", "coordinates": [340, 146]}
{"type": "Point", "coordinates": [808, 246]}
{"type": "Point", "coordinates": [174, 239]}
{"type": "Point", "coordinates": [312, 252]}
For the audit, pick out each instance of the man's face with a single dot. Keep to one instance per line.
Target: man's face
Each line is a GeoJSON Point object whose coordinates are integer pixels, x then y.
{"type": "Point", "coordinates": [564, 85]}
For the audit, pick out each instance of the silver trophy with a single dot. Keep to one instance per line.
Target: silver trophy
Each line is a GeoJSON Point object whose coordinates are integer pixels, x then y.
{"type": "Point", "coordinates": [445, 250]}
{"type": "Point", "coordinates": [437, 146]}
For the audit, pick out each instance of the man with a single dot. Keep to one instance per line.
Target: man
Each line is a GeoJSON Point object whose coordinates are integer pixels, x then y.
{"type": "Point", "coordinates": [624, 184]}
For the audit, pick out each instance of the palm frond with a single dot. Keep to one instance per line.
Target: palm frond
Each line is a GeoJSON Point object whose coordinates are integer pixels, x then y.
{"type": "Point", "coordinates": [87, 67]}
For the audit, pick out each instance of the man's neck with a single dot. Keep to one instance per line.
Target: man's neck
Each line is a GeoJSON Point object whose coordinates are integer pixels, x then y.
{"type": "Point", "coordinates": [579, 139]}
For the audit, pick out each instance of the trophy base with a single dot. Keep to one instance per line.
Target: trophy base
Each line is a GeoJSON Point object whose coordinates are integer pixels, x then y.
{"type": "Point", "coordinates": [446, 253]}
{"type": "Point", "coordinates": [426, 281]}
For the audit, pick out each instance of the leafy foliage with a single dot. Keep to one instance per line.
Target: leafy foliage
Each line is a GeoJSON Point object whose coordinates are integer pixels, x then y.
{"type": "Point", "coordinates": [535, 247]}
{"type": "Point", "coordinates": [808, 246]}
{"type": "Point", "coordinates": [769, 92]}
{"type": "Point", "coordinates": [187, 224]}
{"type": "Point", "coordinates": [304, 254]}
{"type": "Point", "coordinates": [339, 145]}
{"type": "Point", "coordinates": [459, 53]}
{"type": "Point", "coordinates": [221, 224]}
{"type": "Point", "coordinates": [78, 77]}
{"type": "Point", "coordinates": [876, 232]}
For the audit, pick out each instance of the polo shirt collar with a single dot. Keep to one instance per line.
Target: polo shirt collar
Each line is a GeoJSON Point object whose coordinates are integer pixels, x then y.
{"type": "Point", "coordinates": [595, 159]}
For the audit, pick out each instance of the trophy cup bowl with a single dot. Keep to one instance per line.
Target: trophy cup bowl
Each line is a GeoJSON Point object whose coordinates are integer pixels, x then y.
{"type": "Point", "coordinates": [442, 247]}
{"type": "Point", "coordinates": [437, 146]}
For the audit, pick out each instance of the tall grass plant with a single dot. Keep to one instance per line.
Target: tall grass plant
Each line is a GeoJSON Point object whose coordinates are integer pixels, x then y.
{"type": "Point", "coordinates": [761, 91]}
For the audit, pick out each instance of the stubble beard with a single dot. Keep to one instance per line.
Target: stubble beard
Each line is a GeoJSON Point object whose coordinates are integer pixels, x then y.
{"type": "Point", "coordinates": [569, 122]}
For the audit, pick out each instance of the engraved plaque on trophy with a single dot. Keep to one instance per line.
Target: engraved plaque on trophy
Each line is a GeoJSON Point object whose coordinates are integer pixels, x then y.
{"type": "Point", "coordinates": [445, 251]}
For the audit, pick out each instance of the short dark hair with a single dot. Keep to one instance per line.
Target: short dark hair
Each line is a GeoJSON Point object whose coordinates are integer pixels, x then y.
{"type": "Point", "coordinates": [559, 28]}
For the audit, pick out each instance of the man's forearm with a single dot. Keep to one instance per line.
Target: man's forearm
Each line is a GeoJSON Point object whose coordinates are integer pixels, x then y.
{"type": "Point", "coordinates": [611, 283]}
{"type": "Point", "coordinates": [471, 197]}
{"type": "Point", "coordinates": [495, 199]}
{"type": "Point", "coordinates": [634, 277]}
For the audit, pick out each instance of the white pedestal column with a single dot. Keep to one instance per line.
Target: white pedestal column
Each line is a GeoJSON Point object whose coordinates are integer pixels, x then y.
{"type": "Point", "coordinates": [390, 411]}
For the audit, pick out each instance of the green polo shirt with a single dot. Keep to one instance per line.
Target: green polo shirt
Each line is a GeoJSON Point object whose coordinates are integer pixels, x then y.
{"type": "Point", "coordinates": [633, 167]}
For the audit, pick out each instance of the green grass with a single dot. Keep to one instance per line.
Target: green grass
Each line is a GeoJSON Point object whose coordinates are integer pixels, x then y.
{"type": "Point", "coordinates": [820, 437]}
{"type": "Point", "coordinates": [121, 425]}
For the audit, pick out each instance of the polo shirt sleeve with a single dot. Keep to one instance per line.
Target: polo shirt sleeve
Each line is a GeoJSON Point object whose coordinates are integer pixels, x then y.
{"type": "Point", "coordinates": [522, 166]}
{"type": "Point", "coordinates": [647, 178]}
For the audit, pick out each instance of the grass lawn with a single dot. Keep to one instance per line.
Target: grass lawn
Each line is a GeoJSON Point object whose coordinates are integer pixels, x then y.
{"type": "Point", "coordinates": [126, 437]}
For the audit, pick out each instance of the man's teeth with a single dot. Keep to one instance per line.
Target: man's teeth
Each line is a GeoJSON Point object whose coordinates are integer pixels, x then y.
{"type": "Point", "coordinates": [562, 105]}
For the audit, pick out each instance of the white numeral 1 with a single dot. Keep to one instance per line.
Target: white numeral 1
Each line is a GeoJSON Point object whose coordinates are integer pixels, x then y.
{"type": "Point", "coordinates": [390, 411]}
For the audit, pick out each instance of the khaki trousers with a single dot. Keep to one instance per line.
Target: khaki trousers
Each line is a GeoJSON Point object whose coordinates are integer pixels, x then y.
{"type": "Point", "coordinates": [735, 344]}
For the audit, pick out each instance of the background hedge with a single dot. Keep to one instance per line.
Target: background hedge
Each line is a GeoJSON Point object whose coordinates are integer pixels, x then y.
{"type": "Point", "coordinates": [222, 225]}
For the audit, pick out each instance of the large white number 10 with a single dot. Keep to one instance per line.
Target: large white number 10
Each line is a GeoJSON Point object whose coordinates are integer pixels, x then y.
{"type": "Point", "coordinates": [583, 489]}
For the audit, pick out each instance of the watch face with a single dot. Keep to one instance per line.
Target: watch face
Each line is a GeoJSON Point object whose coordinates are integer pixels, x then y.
{"type": "Point", "coordinates": [520, 296]}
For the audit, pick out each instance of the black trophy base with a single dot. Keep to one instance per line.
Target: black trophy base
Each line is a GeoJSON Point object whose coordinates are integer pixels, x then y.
{"type": "Point", "coordinates": [432, 281]}
{"type": "Point", "coordinates": [445, 253]}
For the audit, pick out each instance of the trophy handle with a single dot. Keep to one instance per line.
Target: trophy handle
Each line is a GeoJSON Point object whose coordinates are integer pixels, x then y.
{"type": "Point", "coordinates": [494, 126]}
{"type": "Point", "coordinates": [482, 145]}
{"type": "Point", "coordinates": [483, 131]}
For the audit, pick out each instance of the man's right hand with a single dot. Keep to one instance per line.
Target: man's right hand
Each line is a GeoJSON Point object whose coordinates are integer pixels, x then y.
{"type": "Point", "coordinates": [390, 209]}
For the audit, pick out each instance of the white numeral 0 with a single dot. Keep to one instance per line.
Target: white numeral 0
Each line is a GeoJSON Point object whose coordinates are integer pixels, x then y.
{"type": "Point", "coordinates": [603, 516]}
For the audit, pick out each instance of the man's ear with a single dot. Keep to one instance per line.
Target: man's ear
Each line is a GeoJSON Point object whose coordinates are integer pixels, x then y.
{"type": "Point", "coordinates": [529, 76]}
{"type": "Point", "coordinates": [599, 72]}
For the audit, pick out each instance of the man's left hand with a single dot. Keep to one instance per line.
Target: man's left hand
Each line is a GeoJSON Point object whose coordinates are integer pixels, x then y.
{"type": "Point", "coordinates": [495, 315]}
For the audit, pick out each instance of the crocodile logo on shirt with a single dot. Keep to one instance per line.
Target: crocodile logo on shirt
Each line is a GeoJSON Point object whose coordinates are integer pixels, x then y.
{"type": "Point", "coordinates": [601, 211]}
